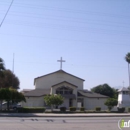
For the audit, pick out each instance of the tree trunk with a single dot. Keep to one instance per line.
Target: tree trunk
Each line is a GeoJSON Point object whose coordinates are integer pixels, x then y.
{"type": "Point", "coordinates": [1, 105]}
{"type": "Point", "coordinates": [129, 74]}
{"type": "Point", "coordinates": [51, 108]}
{"type": "Point", "coordinates": [8, 105]}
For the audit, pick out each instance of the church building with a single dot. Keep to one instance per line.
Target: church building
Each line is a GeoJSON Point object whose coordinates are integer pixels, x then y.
{"type": "Point", "coordinates": [123, 97]}
{"type": "Point", "coordinates": [69, 86]}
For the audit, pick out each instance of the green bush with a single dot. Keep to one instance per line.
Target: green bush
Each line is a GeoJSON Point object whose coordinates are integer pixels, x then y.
{"type": "Point", "coordinates": [31, 110]}
{"type": "Point", "coordinates": [93, 111]}
{"type": "Point", "coordinates": [98, 108]}
{"type": "Point", "coordinates": [72, 109]}
{"type": "Point", "coordinates": [129, 109]}
{"type": "Point", "coordinates": [82, 109]}
{"type": "Point", "coordinates": [110, 103]}
{"type": "Point", "coordinates": [63, 109]}
{"type": "Point", "coordinates": [121, 110]}
{"type": "Point", "coordinates": [109, 108]}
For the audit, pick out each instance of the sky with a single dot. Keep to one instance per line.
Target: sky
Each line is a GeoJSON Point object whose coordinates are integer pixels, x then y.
{"type": "Point", "coordinates": [92, 36]}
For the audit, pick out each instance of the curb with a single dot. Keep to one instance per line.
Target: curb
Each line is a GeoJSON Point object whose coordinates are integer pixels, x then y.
{"type": "Point", "coordinates": [58, 116]}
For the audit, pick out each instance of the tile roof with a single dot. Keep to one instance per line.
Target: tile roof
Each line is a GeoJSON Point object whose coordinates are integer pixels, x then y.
{"type": "Point", "coordinates": [90, 94]}
{"type": "Point", "coordinates": [123, 89]}
{"type": "Point", "coordinates": [42, 92]}
{"type": "Point", "coordinates": [26, 90]}
{"type": "Point", "coordinates": [37, 92]}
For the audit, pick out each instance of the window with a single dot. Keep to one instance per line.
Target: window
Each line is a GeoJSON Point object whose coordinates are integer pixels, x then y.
{"type": "Point", "coordinates": [64, 90]}
{"type": "Point", "coordinates": [125, 92]}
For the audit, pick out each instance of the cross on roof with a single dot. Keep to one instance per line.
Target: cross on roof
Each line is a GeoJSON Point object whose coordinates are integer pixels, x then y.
{"type": "Point", "coordinates": [61, 62]}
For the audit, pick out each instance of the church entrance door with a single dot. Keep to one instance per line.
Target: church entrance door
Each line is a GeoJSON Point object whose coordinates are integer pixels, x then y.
{"type": "Point", "coordinates": [70, 102]}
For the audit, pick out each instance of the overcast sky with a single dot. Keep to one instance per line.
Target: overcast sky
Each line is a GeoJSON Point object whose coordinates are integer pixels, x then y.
{"type": "Point", "coordinates": [93, 36]}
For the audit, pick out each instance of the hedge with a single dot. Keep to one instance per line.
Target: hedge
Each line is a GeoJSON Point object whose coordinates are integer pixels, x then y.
{"type": "Point", "coordinates": [98, 108]}
{"type": "Point", "coordinates": [82, 109]}
{"type": "Point", "coordinates": [72, 109]}
{"type": "Point", "coordinates": [129, 109]}
{"type": "Point", "coordinates": [121, 110]}
{"type": "Point", "coordinates": [63, 109]}
{"type": "Point", "coordinates": [31, 109]}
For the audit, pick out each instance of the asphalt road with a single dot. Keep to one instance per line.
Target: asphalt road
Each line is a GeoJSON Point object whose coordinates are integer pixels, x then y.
{"type": "Point", "coordinates": [81, 123]}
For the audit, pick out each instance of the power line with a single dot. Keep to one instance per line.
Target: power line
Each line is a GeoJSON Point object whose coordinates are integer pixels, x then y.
{"type": "Point", "coordinates": [70, 10]}
{"type": "Point", "coordinates": [89, 21]}
{"type": "Point", "coordinates": [74, 28]}
{"type": "Point", "coordinates": [6, 13]}
{"type": "Point", "coordinates": [65, 39]}
{"type": "Point", "coordinates": [40, 15]}
{"type": "Point", "coordinates": [68, 64]}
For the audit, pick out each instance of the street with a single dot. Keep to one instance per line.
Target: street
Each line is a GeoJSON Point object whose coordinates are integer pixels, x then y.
{"type": "Point", "coordinates": [71, 123]}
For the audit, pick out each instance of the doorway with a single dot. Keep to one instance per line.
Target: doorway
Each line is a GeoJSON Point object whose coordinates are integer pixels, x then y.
{"type": "Point", "coordinates": [70, 102]}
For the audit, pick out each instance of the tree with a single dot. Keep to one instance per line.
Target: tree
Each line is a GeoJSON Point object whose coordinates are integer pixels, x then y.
{"type": "Point", "coordinates": [115, 93]}
{"type": "Point", "coordinates": [104, 89]}
{"type": "Point", "coordinates": [2, 67]}
{"type": "Point", "coordinates": [127, 58]}
{"type": "Point", "coordinates": [11, 96]}
{"type": "Point", "coordinates": [9, 80]}
{"type": "Point", "coordinates": [110, 103]}
{"type": "Point", "coordinates": [53, 100]}
{"type": "Point", "coordinates": [16, 96]}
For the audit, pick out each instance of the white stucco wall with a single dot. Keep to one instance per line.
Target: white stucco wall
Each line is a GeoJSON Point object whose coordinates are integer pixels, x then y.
{"type": "Point", "coordinates": [47, 81]}
{"type": "Point", "coordinates": [91, 103]}
{"type": "Point", "coordinates": [65, 103]}
{"type": "Point", "coordinates": [33, 102]}
{"type": "Point", "coordinates": [123, 97]}
{"type": "Point", "coordinates": [123, 100]}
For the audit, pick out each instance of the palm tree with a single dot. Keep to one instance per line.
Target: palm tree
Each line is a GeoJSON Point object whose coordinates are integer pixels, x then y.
{"type": "Point", "coordinates": [127, 58]}
{"type": "Point", "coordinates": [2, 67]}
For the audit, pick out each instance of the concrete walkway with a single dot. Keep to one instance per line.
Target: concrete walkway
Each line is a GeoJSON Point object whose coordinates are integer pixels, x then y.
{"type": "Point", "coordinates": [64, 115]}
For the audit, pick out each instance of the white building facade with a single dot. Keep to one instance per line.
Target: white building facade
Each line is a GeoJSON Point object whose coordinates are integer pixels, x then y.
{"type": "Point", "coordinates": [69, 86]}
{"type": "Point", "coordinates": [123, 97]}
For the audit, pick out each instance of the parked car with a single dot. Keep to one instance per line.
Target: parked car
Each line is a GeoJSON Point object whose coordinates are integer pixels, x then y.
{"type": "Point", "coordinates": [13, 106]}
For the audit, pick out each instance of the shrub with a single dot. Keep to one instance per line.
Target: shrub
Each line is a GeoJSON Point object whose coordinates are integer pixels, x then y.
{"type": "Point", "coordinates": [129, 109]}
{"type": "Point", "coordinates": [121, 110]}
{"type": "Point", "coordinates": [62, 109]}
{"type": "Point", "coordinates": [53, 100]}
{"type": "Point", "coordinates": [72, 108]}
{"type": "Point", "coordinates": [98, 108]}
{"type": "Point", "coordinates": [82, 109]}
{"type": "Point", "coordinates": [109, 108]}
{"type": "Point", "coordinates": [31, 109]}
{"type": "Point", "coordinates": [110, 103]}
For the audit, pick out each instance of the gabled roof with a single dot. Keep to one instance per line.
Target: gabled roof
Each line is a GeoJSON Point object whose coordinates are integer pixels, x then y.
{"type": "Point", "coordinates": [65, 82]}
{"type": "Point", "coordinates": [57, 72]}
{"type": "Point", "coordinates": [90, 94]}
{"type": "Point", "coordinates": [37, 93]}
{"type": "Point", "coordinates": [123, 89]}
{"type": "Point", "coordinates": [26, 90]}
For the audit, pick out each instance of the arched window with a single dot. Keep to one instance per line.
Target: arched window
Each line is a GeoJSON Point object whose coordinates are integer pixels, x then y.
{"type": "Point", "coordinates": [64, 90]}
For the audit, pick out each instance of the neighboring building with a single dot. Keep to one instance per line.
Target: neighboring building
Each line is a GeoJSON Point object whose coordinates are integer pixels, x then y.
{"type": "Point", "coordinates": [26, 90]}
{"type": "Point", "coordinates": [69, 86]}
{"type": "Point", "coordinates": [123, 97]}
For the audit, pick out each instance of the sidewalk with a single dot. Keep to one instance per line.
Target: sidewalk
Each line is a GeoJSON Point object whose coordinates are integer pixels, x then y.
{"type": "Point", "coordinates": [64, 115]}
